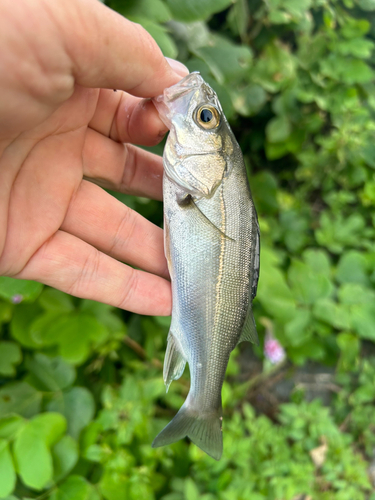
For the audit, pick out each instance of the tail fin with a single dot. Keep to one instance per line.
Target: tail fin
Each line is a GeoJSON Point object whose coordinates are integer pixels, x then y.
{"type": "Point", "coordinates": [203, 429]}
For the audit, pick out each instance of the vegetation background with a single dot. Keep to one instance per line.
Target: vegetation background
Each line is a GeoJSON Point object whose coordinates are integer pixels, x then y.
{"type": "Point", "coordinates": [81, 390]}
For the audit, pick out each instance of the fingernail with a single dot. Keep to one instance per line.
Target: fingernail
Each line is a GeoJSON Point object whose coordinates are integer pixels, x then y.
{"type": "Point", "coordinates": [177, 67]}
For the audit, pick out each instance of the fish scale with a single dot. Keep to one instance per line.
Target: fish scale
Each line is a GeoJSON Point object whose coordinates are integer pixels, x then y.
{"type": "Point", "coordinates": [212, 249]}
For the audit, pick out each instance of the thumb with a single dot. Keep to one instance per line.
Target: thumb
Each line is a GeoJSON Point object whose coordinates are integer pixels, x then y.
{"type": "Point", "coordinates": [109, 51]}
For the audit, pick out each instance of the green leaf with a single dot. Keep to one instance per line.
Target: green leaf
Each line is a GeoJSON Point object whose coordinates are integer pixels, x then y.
{"type": "Point", "coordinates": [53, 374]}
{"type": "Point", "coordinates": [10, 426]}
{"type": "Point", "coordinates": [21, 398]}
{"type": "Point", "coordinates": [249, 100]}
{"type": "Point", "coordinates": [273, 291]}
{"type": "Point", "coordinates": [32, 449]}
{"type": "Point", "coordinates": [195, 10]}
{"type": "Point", "coordinates": [78, 407]}
{"type": "Point", "coordinates": [55, 301]}
{"type": "Point", "coordinates": [6, 311]}
{"type": "Point", "coordinates": [278, 129]}
{"type": "Point", "coordinates": [24, 315]}
{"type": "Point", "coordinates": [76, 335]}
{"type": "Point", "coordinates": [307, 285]}
{"type": "Point", "coordinates": [75, 488]}
{"type": "Point", "coordinates": [156, 10]}
{"type": "Point", "coordinates": [10, 355]}
{"type": "Point", "coordinates": [226, 60]}
{"type": "Point", "coordinates": [318, 261]}
{"type": "Point", "coordinates": [65, 455]}
{"type": "Point", "coordinates": [363, 320]}
{"type": "Point", "coordinates": [264, 188]}
{"type": "Point", "coordinates": [7, 472]}
{"type": "Point", "coordinates": [332, 313]}
{"type": "Point", "coordinates": [17, 291]}
{"type": "Point", "coordinates": [349, 346]}
{"type": "Point", "coordinates": [298, 330]}
{"type": "Point", "coordinates": [191, 491]}
{"type": "Point", "coordinates": [352, 268]}
{"type": "Point", "coordinates": [367, 4]}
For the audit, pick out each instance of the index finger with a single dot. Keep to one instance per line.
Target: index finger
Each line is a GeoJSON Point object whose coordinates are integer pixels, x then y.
{"type": "Point", "coordinates": [109, 51]}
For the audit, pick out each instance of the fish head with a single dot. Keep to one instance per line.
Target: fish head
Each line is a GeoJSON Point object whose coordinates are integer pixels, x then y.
{"type": "Point", "coordinates": [200, 143]}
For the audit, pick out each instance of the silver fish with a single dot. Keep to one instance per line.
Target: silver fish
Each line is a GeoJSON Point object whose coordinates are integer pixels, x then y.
{"type": "Point", "coordinates": [212, 249]}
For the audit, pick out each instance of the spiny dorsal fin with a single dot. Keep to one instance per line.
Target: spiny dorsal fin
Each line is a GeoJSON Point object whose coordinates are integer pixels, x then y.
{"type": "Point", "coordinates": [174, 362]}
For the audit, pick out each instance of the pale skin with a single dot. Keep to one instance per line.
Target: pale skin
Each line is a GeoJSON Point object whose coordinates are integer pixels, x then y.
{"type": "Point", "coordinates": [64, 135]}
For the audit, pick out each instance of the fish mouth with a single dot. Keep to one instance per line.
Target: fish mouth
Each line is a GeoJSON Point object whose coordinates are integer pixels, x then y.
{"type": "Point", "coordinates": [176, 99]}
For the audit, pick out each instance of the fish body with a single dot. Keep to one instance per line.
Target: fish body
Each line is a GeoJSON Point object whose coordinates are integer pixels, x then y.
{"type": "Point", "coordinates": [212, 249]}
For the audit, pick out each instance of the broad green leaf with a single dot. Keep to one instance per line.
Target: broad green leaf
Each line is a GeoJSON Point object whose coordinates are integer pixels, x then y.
{"type": "Point", "coordinates": [191, 491]}
{"type": "Point", "coordinates": [76, 334]}
{"type": "Point", "coordinates": [17, 291]}
{"type": "Point", "coordinates": [264, 189]}
{"type": "Point", "coordinates": [6, 311]}
{"type": "Point", "coordinates": [32, 448]}
{"type": "Point", "coordinates": [40, 328]}
{"type": "Point", "coordinates": [278, 129]}
{"type": "Point", "coordinates": [75, 488]}
{"type": "Point", "coordinates": [349, 346]}
{"type": "Point", "coordinates": [352, 293]}
{"type": "Point", "coordinates": [226, 60]}
{"type": "Point", "coordinates": [23, 316]}
{"type": "Point", "coordinates": [10, 355]}
{"type": "Point", "coordinates": [55, 301]}
{"type": "Point", "coordinates": [274, 293]}
{"type": "Point", "coordinates": [318, 261]}
{"type": "Point", "coordinates": [363, 320]}
{"type": "Point", "coordinates": [249, 100]}
{"type": "Point", "coordinates": [114, 486]}
{"type": "Point", "coordinates": [10, 426]}
{"type": "Point", "coordinates": [308, 286]}
{"type": "Point", "coordinates": [332, 313]}
{"type": "Point", "coordinates": [367, 4]}
{"type": "Point", "coordinates": [298, 330]}
{"type": "Point", "coordinates": [65, 455]}
{"type": "Point", "coordinates": [53, 374]}
{"type": "Point", "coordinates": [21, 398]}
{"type": "Point", "coordinates": [195, 10]}
{"type": "Point", "coordinates": [352, 268]}
{"type": "Point", "coordinates": [275, 67]}
{"type": "Point", "coordinates": [7, 472]}
{"type": "Point", "coordinates": [156, 10]}
{"type": "Point", "coordinates": [78, 407]}
{"type": "Point", "coordinates": [34, 461]}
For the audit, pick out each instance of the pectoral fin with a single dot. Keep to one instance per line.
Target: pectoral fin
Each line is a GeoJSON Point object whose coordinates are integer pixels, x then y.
{"type": "Point", "coordinates": [174, 362]}
{"type": "Point", "coordinates": [188, 201]}
{"type": "Point", "coordinates": [249, 331]}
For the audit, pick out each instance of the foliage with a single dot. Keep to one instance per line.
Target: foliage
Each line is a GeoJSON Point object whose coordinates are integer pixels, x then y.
{"type": "Point", "coordinates": [81, 392]}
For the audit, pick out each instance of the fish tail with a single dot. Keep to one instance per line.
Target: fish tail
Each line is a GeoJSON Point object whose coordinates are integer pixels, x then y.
{"type": "Point", "coordinates": [202, 428]}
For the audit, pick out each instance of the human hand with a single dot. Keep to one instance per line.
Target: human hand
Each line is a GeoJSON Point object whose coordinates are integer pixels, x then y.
{"type": "Point", "coordinates": [58, 129]}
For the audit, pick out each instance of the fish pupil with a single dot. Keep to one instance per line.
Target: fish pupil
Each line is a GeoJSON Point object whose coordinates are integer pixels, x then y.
{"type": "Point", "coordinates": [206, 115]}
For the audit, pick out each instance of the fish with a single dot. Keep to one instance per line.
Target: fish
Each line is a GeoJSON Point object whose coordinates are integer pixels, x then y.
{"type": "Point", "coordinates": [212, 244]}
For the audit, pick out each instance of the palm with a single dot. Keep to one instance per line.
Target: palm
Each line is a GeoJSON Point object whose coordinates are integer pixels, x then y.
{"type": "Point", "coordinates": [61, 138]}
{"type": "Point", "coordinates": [58, 220]}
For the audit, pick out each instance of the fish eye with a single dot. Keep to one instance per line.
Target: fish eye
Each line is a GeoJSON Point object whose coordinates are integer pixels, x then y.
{"type": "Point", "coordinates": [207, 117]}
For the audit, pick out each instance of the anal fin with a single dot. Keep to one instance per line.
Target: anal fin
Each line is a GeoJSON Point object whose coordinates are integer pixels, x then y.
{"type": "Point", "coordinates": [174, 362]}
{"type": "Point", "coordinates": [249, 331]}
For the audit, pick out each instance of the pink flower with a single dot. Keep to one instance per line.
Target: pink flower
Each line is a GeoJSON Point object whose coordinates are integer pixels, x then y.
{"type": "Point", "coordinates": [273, 350]}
